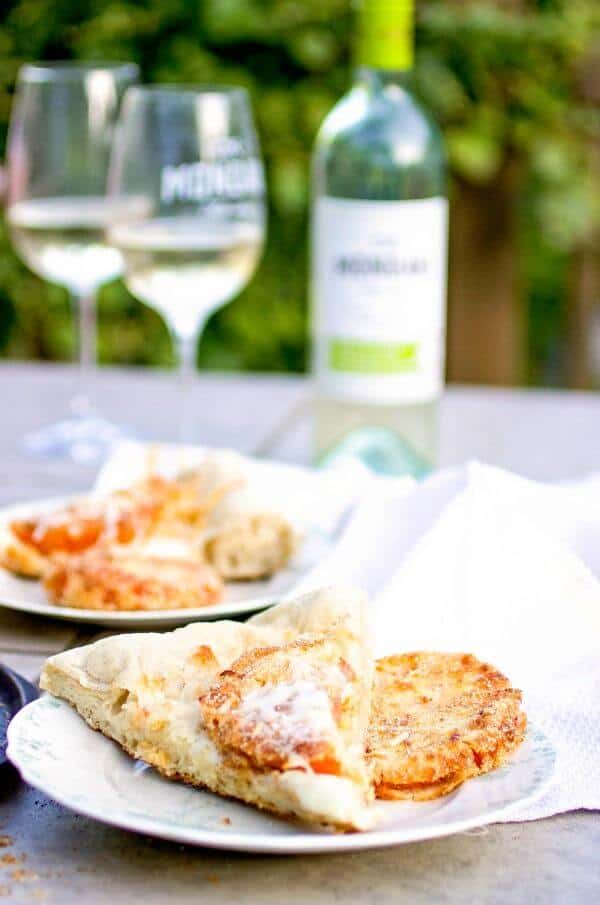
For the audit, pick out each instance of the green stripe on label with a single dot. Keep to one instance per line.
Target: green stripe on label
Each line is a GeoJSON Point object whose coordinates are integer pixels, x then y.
{"type": "Point", "coordinates": [352, 355]}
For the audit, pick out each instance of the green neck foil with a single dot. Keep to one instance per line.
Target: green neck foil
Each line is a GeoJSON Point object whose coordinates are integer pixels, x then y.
{"type": "Point", "coordinates": [385, 34]}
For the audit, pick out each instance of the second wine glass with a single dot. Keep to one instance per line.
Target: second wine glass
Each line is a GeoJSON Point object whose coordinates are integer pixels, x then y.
{"type": "Point", "coordinates": [188, 158]}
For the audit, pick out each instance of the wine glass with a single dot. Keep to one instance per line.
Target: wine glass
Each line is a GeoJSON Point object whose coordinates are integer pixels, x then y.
{"type": "Point", "coordinates": [59, 145]}
{"type": "Point", "coordinates": [187, 177]}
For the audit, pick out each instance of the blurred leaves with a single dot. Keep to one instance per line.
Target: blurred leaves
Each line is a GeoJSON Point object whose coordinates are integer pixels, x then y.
{"type": "Point", "coordinates": [510, 83]}
{"type": "Point", "coordinates": [504, 80]}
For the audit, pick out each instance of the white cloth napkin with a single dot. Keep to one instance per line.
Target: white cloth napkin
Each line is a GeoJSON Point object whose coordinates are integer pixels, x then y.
{"type": "Point", "coordinates": [480, 560]}
{"type": "Point", "coordinates": [308, 498]}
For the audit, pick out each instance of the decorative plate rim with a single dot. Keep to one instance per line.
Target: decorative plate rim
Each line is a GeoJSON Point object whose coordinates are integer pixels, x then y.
{"type": "Point", "coordinates": [304, 842]}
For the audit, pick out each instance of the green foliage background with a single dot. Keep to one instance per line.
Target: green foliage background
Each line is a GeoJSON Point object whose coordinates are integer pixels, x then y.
{"type": "Point", "coordinates": [503, 79]}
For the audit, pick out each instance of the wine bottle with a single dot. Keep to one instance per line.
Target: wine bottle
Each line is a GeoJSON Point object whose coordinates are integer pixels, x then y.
{"type": "Point", "coordinates": [378, 281]}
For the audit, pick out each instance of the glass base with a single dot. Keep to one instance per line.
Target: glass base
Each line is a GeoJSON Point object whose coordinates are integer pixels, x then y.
{"type": "Point", "coordinates": [381, 451]}
{"type": "Point", "coordinates": [85, 439]}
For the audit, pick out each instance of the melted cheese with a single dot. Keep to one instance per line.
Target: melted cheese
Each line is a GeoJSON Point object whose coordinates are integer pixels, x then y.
{"type": "Point", "coordinates": [294, 712]}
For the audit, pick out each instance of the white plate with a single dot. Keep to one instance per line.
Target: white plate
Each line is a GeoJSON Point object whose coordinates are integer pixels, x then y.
{"type": "Point", "coordinates": [240, 598]}
{"type": "Point", "coordinates": [59, 754]}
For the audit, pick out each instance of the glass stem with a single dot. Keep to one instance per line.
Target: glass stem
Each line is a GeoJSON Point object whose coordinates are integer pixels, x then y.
{"type": "Point", "coordinates": [186, 352]}
{"type": "Point", "coordinates": [85, 304]}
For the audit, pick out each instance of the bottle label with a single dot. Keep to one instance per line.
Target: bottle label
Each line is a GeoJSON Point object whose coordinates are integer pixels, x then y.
{"type": "Point", "coordinates": [379, 293]}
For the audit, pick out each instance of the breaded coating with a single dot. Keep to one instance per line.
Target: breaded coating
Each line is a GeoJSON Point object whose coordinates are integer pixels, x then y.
{"type": "Point", "coordinates": [293, 707]}
{"type": "Point", "coordinates": [438, 719]}
{"type": "Point", "coordinates": [102, 579]}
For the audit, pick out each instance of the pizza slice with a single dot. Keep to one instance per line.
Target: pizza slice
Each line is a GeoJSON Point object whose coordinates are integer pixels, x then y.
{"type": "Point", "coordinates": [273, 712]}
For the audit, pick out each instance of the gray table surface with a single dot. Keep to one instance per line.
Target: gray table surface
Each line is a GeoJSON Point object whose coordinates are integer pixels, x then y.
{"type": "Point", "coordinates": [50, 855]}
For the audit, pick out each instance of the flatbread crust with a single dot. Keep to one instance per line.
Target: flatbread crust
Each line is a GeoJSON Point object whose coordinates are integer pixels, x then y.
{"type": "Point", "coordinates": [143, 691]}
{"type": "Point", "coordinates": [249, 546]}
{"type": "Point", "coordinates": [243, 539]}
{"type": "Point", "coordinates": [437, 720]}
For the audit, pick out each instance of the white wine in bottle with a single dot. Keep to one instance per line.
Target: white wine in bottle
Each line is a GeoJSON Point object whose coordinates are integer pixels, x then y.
{"type": "Point", "coordinates": [378, 282]}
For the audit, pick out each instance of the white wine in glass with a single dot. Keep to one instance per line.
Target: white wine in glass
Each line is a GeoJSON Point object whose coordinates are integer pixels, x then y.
{"type": "Point", "coordinates": [58, 213]}
{"type": "Point", "coordinates": [196, 235]}
{"type": "Point", "coordinates": [64, 240]}
{"type": "Point", "coordinates": [168, 260]}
